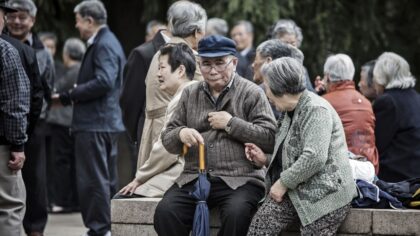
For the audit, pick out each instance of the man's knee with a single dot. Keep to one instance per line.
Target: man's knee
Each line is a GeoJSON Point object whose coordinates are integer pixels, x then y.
{"type": "Point", "coordinates": [163, 210]}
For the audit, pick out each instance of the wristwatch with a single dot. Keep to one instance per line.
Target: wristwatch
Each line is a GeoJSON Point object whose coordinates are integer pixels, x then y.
{"type": "Point", "coordinates": [228, 127]}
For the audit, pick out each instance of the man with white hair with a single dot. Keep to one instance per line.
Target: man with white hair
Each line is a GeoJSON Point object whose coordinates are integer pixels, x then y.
{"type": "Point", "coordinates": [96, 116]}
{"type": "Point", "coordinates": [354, 109]}
{"type": "Point", "coordinates": [187, 23]}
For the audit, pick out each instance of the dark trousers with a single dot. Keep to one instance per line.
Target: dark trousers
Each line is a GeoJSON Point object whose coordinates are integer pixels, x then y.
{"type": "Point", "coordinates": [97, 178]}
{"type": "Point", "coordinates": [34, 176]}
{"type": "Point", "coordinates": [175, 212]}
{"type": "Point", "coordinates": [63, 167]}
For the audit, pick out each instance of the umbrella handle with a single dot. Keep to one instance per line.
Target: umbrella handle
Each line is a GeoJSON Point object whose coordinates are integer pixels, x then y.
{"type": "Point", "coordinates": [201, 156]}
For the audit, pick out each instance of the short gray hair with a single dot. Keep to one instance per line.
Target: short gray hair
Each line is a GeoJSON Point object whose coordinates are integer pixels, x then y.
{"type": "Point", "coordinates": [248, 25]}
{"type": "Point", "coordinates": [48, 35]}
{"type": "Point", "coordinates": [393, 71]}
{"type": "Point", "coordinates": [94, 9]}
{"type": "Point", "coordinates": [339, 67]}
{"type": "Point", "coordinates": [74, 48]}
{"type": "Point", "coordinates": [24, 5]}
{"type": "Point", "coordinates": [275, 48]}
{"type": "Point", "coordinates": [151, 24]}
{"type": "Point", "coordinates": [368, 68]}
{"type": "Point", "coordinates": [217, 26]}
{"type": "Point", "coordinates": [185, 17]}
{"type": "Point", "coordinates": [284, 75]}
{"type": "Point", "coordinates": [287, 26]}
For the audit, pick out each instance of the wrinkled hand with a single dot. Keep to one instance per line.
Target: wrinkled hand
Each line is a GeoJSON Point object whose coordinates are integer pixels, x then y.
{"type": "Point", "coordinates": [319, 84]}
{"type": "Point", "coordinates": [255, 155]}
{"type": "Point", "coordinates": [130, 188]}
{"type": "Point", "coordinates": [17, 159]}
{"type": "Point", "coordinates": [190, 137]}
{"type": "Point", "coordinates": [277, 191]}
{"type": "Point", "coordinates": [219, 119]}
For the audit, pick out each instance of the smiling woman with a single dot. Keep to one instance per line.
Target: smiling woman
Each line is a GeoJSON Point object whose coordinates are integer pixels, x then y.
{"type": "Point", "coordinates": [176, 67]}
{"type": "Point", "coordinates": [176, 71]}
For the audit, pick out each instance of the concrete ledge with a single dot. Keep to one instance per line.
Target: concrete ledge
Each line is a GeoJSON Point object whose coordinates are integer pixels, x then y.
{"type": "Point", "coordinates": [135, 217]}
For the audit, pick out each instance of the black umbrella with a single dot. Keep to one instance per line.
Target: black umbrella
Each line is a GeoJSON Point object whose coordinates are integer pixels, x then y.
{"type": "Point", "coordinates": [201, 224]}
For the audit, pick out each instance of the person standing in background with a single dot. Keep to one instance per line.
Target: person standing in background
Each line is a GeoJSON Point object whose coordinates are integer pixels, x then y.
{"type": "Point", "coordinates": [19, 26]}
{"type": "Point", "coordinates": [243, 35]}
{"type": "Point", "coordinates": [14, 107]}
{"type": "Point", "coordinates": [63, 177]}
{"type": "Point", "coordinates": [96, 122]}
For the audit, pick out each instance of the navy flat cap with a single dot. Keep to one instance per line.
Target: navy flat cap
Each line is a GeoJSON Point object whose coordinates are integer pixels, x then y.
{"type": "Point", "coordinates": [216, 46]}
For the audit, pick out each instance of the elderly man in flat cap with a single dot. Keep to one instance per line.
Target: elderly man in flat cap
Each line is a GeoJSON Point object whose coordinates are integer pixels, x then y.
{"type": "Point", "coordinates": [224, 112]}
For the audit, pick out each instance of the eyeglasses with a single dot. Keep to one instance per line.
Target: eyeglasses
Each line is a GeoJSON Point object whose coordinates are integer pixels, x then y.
{"type": "Point", "coordinates": [13, 17]}
{"type": "Point", "coordinates": [219, 66]}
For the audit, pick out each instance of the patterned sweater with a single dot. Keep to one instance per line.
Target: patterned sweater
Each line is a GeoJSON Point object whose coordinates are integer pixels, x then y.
{"type": "Point", "coordinates": [252, 121]}
{"type": "Point", "coordinates": [315, 166]}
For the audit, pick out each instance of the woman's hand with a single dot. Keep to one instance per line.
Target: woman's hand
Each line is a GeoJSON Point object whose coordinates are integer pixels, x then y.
{"type": "Point", "coordinates": [277, 191]}
{"type": "Point", "coordinates": [130, 188]}
{"type": "Point", "coordinates": [255, 155]}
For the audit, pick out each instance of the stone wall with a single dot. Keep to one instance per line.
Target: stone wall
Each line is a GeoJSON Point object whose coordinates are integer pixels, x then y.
{"type": "Point", "coordinates": [135, 217]}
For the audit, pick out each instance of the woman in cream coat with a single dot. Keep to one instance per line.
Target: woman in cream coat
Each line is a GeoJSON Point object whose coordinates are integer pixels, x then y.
{"type": "Point", "coordinates": [176, 70]}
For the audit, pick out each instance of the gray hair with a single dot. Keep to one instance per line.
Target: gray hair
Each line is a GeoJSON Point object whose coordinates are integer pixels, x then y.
{"type": "Point", "coordinates": [153, 23]}
{"type": "Point", "coordinates": [275, 48]}
{"type": "Point", "coordinates": [248, 25]}
{"type": "Point", "coordinates": [24, 5]}
{"type": "Point", "coordinates": [393, 71]}
{"type": "Point", "coordinates": [185, 17]}
{"type": "Point", "coordinates": [217, 26]}
{"type": "Point", "coordinates": [284, 75]}
{"type": "Point", "coordinates": [48, 35]}
{"type": "Point", "coordinates": [287, 26]}
{"type": "Point", "coordinates": [368, 68]}
{"type": "Point", "coordinates": [74, 48]}
{"type": "Point", "coordinates": [339, 67]}
{"type": "Point", "coordinates": [94, 9]}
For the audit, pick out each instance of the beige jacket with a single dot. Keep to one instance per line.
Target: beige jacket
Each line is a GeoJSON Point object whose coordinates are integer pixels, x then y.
{"type": "Point", "coordinates": [162, 168]}
{"type": "Point", "coordinates": [156, 104]}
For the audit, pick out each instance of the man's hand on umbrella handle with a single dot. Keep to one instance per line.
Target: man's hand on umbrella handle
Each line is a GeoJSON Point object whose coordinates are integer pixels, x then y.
{"type": "Point", "coordinates": [130, 188]}
{"type": "Point", "coordinates": [190, 137]}
{"type": "Point", "coordinates": [255, 155]}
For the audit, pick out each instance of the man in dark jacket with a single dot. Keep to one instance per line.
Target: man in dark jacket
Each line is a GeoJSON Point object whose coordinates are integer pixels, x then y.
{"type": "Point", "coordinates": [30, 65]}
{"type": "Point", "coordinates": [96, 116]}
{"type": "Point", "coordinates": [19, 25]}
{"type": "Point", "coordinates": [133, 95]}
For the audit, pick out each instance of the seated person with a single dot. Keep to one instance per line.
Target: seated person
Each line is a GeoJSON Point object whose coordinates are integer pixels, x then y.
{"type": "Point", "coordinates": [223, 112]}
{"type": "Point", "coordinates": [159, 172]}
{"type": "Point", "coordinates": [268, 51]}
{"type": "Point", "coordinates": [354, 109]}
{"type": "Point", "coordinates": [397, 119]}
{"type": "Point", "coordinates": [309, 173]}
{"type": "Point", "coordinates": [366, 81]}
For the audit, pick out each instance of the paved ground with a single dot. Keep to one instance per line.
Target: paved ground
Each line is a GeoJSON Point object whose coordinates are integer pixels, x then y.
{"type": "Point", "coordinates": [65, 225]}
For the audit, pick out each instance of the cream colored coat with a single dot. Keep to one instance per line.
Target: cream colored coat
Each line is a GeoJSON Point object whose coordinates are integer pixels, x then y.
{"type": "Point", "coordinates": [162, 168]}
{"type": "Point", "coordinates": [156, 105]}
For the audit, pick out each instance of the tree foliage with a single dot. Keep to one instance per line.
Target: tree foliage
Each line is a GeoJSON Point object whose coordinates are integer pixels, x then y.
{"type": "Point", "coordinates": [362, 29]}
